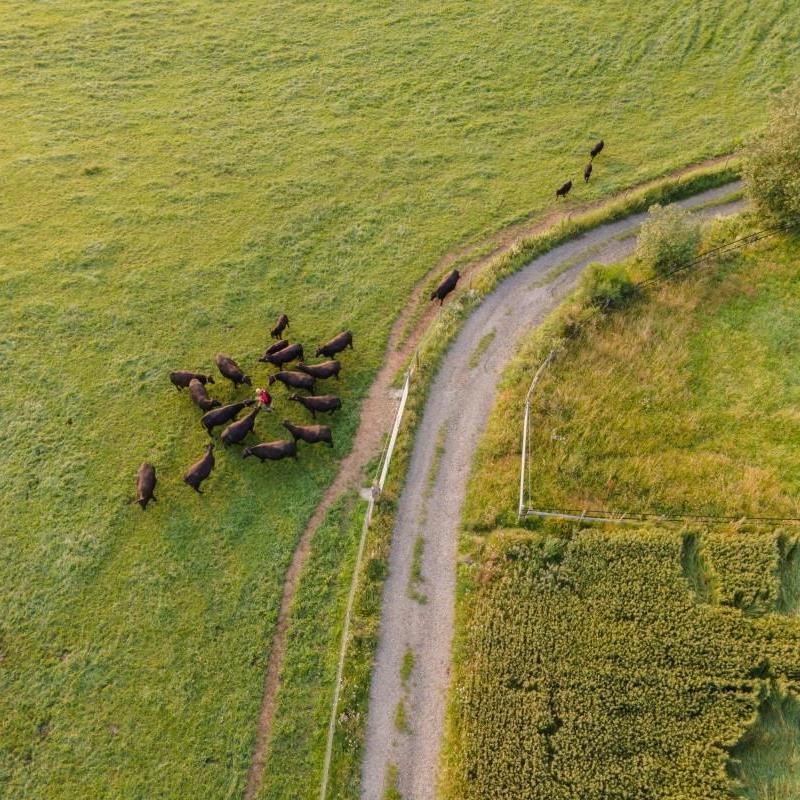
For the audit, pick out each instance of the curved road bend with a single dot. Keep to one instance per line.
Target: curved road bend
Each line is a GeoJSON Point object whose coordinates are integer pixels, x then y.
{"type": "Point", "coordinates": [460, 401]}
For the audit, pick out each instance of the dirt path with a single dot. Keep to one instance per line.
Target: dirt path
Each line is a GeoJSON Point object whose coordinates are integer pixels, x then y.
{"type": "Point", "coordinates": [376, 417]}
{"type": "Point", "coordinates": [459, 403]}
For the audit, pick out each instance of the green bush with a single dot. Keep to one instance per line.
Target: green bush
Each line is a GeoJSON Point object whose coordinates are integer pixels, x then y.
{"type": "Point", "coordinates": [607, 285]}
{"type": "Point", "coordinates": [669, 238]}
{"type": "Point", "coordinates": [771, 167]}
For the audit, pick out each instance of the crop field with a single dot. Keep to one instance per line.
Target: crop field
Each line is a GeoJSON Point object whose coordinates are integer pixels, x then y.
{"type": "Point", "coordinates": [686, 402]}
{"type": "Point", "coordinates": [593, 667]}
{"type": "Point", "coordinates": [174, 176]}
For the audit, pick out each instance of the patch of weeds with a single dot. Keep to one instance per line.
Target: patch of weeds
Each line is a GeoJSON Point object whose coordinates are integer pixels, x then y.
{"type": "Point", "coordinates": [391, 792]}
{"type": "Point", "coordinates": [400, 717]}
{"type": "Point", "coordinates": [407, 666]}
{"type": "Point", "coordinates": [483, 344]}
{"type": "Point", "coordinates": [415, 578]}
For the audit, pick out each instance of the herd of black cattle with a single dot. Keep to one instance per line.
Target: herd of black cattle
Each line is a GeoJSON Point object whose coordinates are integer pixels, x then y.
{"type": "Point", "coordinates": [279, 354]}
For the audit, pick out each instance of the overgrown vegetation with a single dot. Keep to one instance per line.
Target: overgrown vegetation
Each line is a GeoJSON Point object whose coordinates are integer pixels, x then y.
{"type": "Point", "coordinates": [684, 403]}
{"type": "Point", "coordinates": [668, 238]}
{"type": "Point", "coordinates": [770, 167]}
{"type": "Point", "coordinates": [587, 663]}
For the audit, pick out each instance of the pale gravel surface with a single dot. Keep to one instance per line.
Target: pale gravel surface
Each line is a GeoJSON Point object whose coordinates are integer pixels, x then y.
{"type": "Point", "coordinates": [460, 401]}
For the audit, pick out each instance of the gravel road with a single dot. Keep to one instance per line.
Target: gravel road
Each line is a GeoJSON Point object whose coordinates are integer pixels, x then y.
{"type": "Point", "coordinates": [430, 507]}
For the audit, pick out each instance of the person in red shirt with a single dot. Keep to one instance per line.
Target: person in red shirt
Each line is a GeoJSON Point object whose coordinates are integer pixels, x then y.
{"type": "Point", "coordinates": [265, 398]}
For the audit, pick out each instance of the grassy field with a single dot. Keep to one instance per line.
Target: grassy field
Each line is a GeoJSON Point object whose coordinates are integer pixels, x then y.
{"type": "Point", "coordinates": [684, 403]}
{"type": "Point", "coordinates": [174, 176]}
{"type": "Point", "coordinates": [591, 669]}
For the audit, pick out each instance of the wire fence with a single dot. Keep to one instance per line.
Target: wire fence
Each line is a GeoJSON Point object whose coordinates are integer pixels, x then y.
{"type": "Point", "coordinates": [615, 517]}
{"type": "Point", "coordinates": [374, 493]}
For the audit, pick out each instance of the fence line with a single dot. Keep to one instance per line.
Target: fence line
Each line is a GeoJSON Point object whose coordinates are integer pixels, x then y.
{"type": "Point", "coordinates": [374, 493]}
{"type": "Point", "coordinates": [634, 518]}
{"type": "Point", "coordinates": [603, 516]}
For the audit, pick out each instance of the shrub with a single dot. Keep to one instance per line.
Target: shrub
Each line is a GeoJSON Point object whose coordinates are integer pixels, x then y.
{"type": "Point", "coordinates": [669, 238]}
{"type": "Point", "coordinates": [771, 167]}
{"type": "Point", "coordinates": [608, 285]}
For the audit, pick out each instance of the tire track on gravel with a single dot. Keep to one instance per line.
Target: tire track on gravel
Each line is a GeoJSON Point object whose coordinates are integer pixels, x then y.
{"type": "Point", "coordinates": [459, 402]}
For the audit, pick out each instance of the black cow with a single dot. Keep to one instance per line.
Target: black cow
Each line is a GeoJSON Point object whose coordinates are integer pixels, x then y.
{"type": "Point", "coordinates": [219, 416]}
{"type": "Point", "coordinates": [280, 327]}
{"type": "Point", "coordinates": [201, 469]}
{"type": "Point", "coordinates": [237, 431]}
{"type": "Point", "coordinates": [312, 434]}
{"type": "Point", "coordinates": [445, 287]}
{"type": "Point", "coordinates": [274, 451]}
{"type": "Point", "coordinates": [181, 378]}
{"type": "Point", "coordinates": [587, 172]}
{"type": "Point", "coordinates": [200, 396]}
{"type": "Point", "coordinates": [327, 369]}
{"type": "Point", "coordinates": [564, 190]}
{"type": "Point", "coordinates": [231, 370]}
{"type": "Point", "coordinates": [336, 345]}
{"type": "Point", "coordinates": [145, 485]}
{"type": "Point", "coordinates": [294, 380]}
{"type": "Point", "coordinates": [322, 403]}
{"type": "Point", "coordinates": [279, 345]}
{"type": "Point", "coordinates": [283, 356]}
{"type": "Point", "coordinates": [595, 151]}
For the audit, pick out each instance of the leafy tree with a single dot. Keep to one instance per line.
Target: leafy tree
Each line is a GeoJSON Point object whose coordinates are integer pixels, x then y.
{"type": "Point", "coordinates": [771, 166]}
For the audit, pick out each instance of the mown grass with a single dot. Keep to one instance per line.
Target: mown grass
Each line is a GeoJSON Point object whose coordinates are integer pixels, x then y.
{"type": "Point", "coordinates": [174, 176]}
{"type": "Point", "coordinates": [683, 403]}
{"type": "Point", "coordinates": [586, 663]}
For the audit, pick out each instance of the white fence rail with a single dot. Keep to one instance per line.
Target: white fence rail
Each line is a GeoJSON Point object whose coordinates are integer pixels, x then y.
{"type": "Point", "coordinates": [374, 493]}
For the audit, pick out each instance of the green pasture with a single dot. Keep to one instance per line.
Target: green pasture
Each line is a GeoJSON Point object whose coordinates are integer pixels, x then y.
{"type": "Point", "coordinates": [174, 175]}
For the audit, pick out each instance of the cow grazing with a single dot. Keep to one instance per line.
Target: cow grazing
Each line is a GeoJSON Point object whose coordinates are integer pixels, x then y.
{"type": "Point", "coordinates": [279, 345]}
{"type": "Point", "coordinates": [181, 378]}
{"type": "Point", "coordinates": [322, 403]}
{"type": "Point", "coordinates": [336, 345]}
{"type": "Point", "coordinates": [312, 434]}
{"type": "Point", "coordinates": [236, 432]}
{"type": "Point", "coordinates": [145, 485]}
{"type": "Point", "coordinates": [564, 190]}
{"type": "Point", "coordinates": [327, 369]}
{"type": "Point", "coordinates": [200, 396]}
{"type": "Point", "coordinates": [231, 370]}
{"type": "Point", "coordinates": [587, 172]}
{"type": "Point", "coordinates": [280, 327]}
{"type": "Point", "coordinates": [445, 287]}
{"type": "Point", "coordinates": [219, 416]}
{"type": "Point", "coordinates": [294, 380]}
{"type": "Point", "coordinates": [595, 151]}
{"type": "Point", "coordinates": [274, 451]}
{"type": "Point", "coordinates": [201, 469]}
{"type": "Point", "coordinates": [283, 356]}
